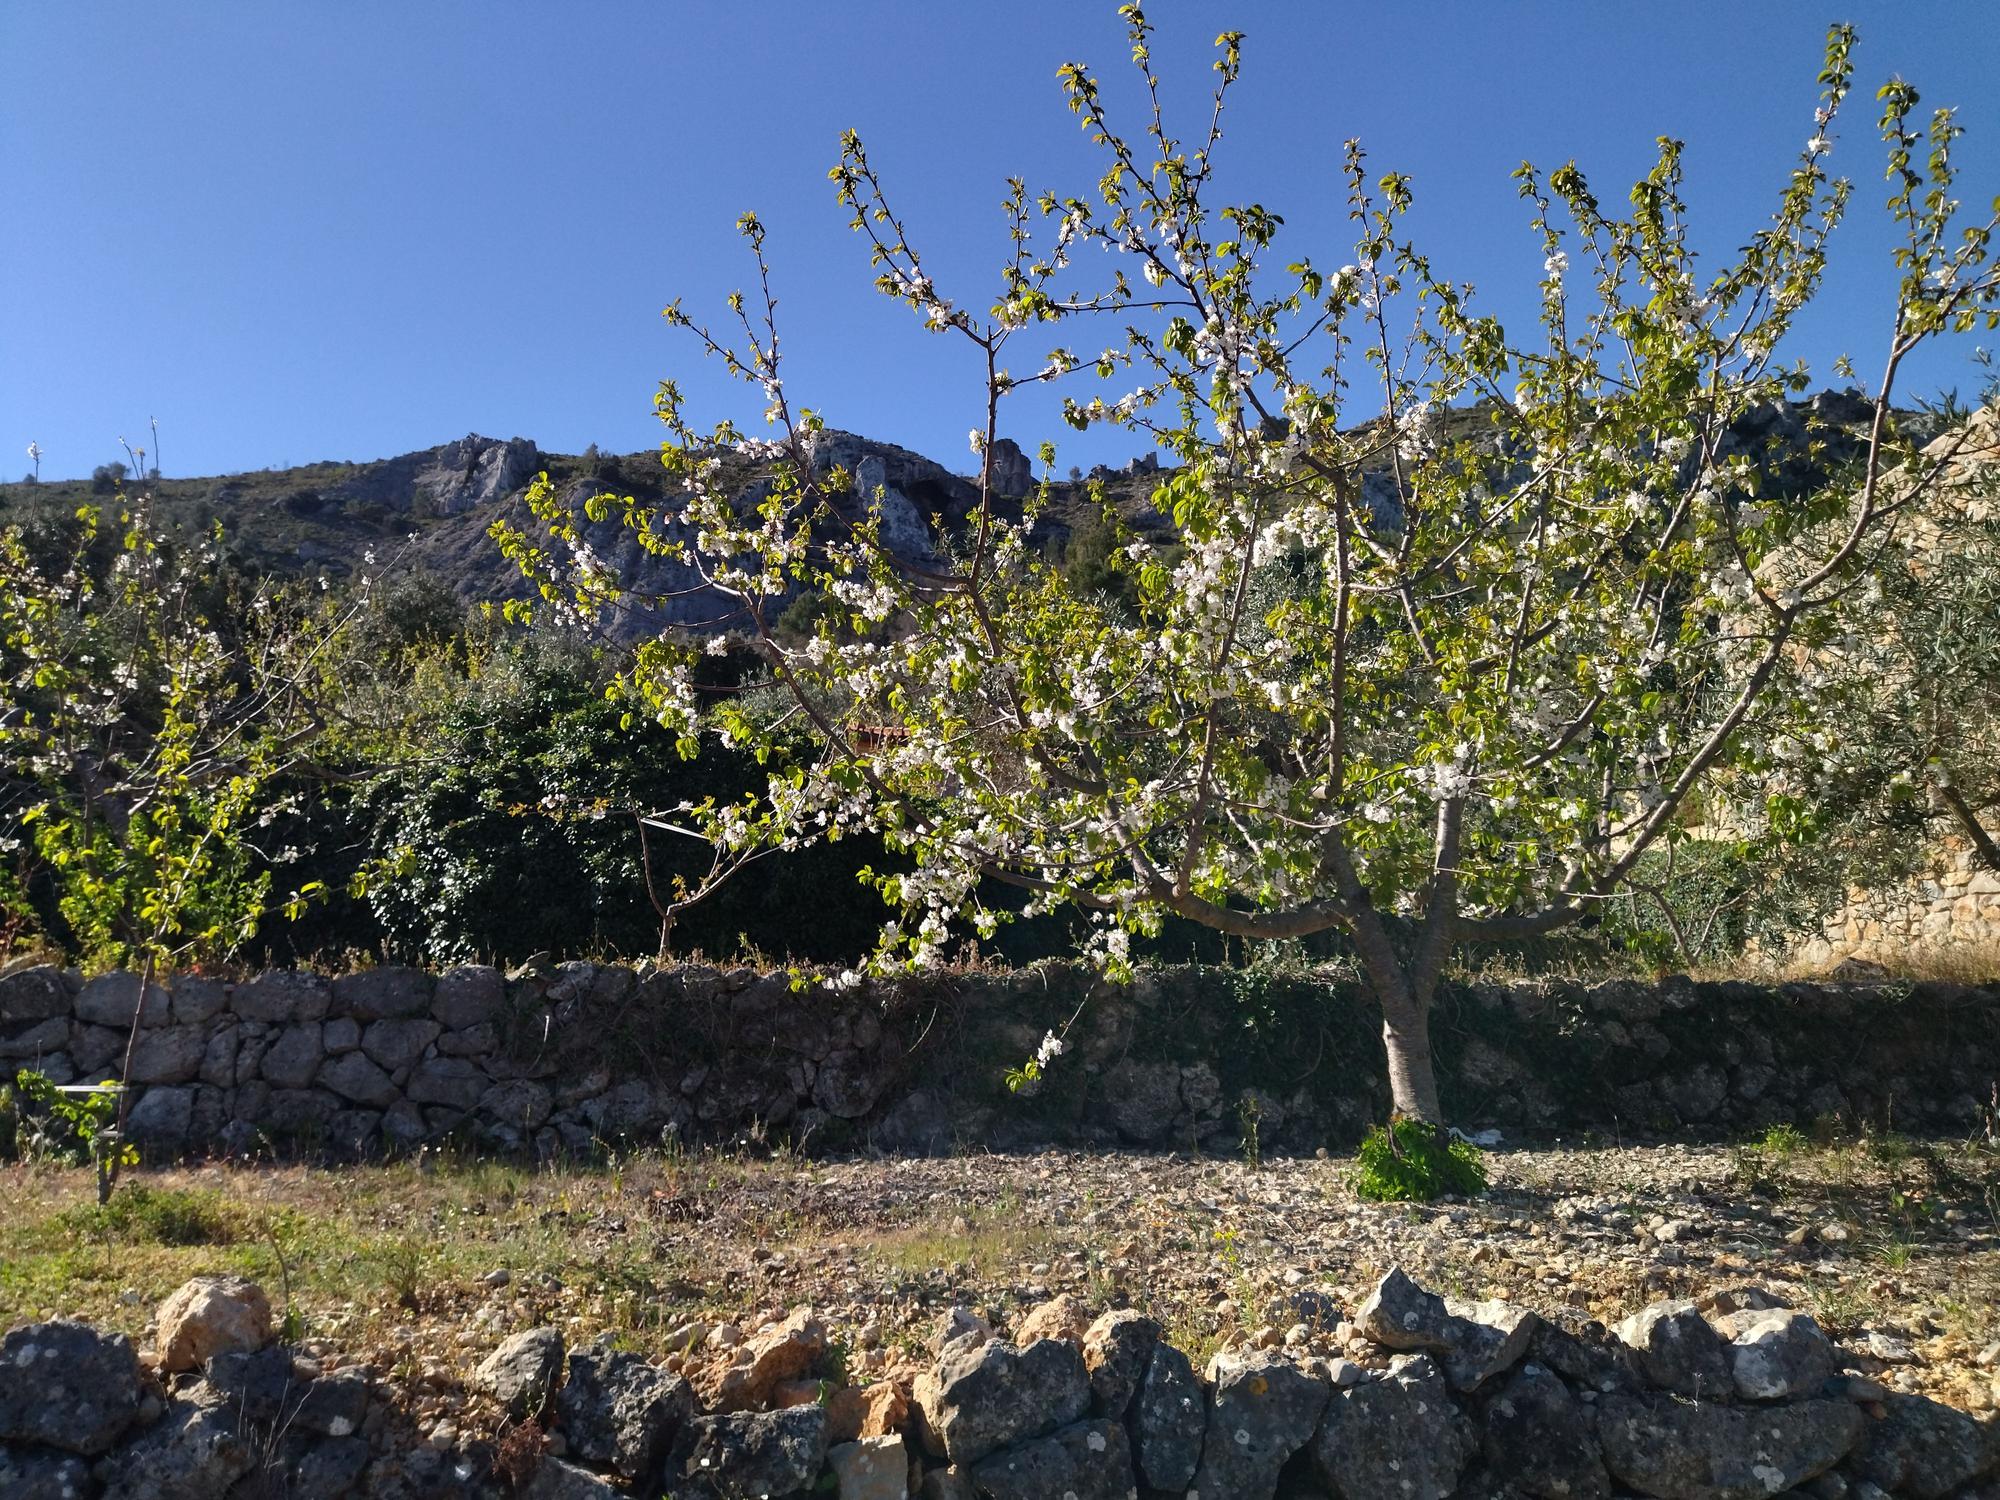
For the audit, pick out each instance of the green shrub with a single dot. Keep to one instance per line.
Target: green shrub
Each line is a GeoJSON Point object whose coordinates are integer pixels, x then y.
{"type": "Point", "coordinates": [1411, 1162]}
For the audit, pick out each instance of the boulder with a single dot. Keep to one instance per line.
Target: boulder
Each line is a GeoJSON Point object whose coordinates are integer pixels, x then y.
{"type": "Point", "coordinates": [1697, 1450]}
{"type": "Point", "coordinates": [68, 1386]}
{"type": "Point", "coordinates": [1116, 1350]}
{"type": "Point", "coordinates": [1473, 1341]}
{"type": "Point", "coordinates": [555, 1479]}
{"type": "Point", "coordinates": [294, 1056]}
{"type": "Point", "coordinates": [168, 1054]}
{"type": "Point", "coordinates": [450, 1081]}
{"type": "Point", "coordinates": [1539, 1440]}
{"type": "Point", "coordinates": [1676, 1350]}
{"type": "Point", "coordinates": [1089, 1460]}
{"type": "Point", "coordinates": [192, 1453]}
{"type": "Point", "coordinates": [162, 1117]}
{"type": "Point", "coordinates": [517, 1103]}
{"type": "Point", "coordinates": [522, 1374]}
{"type": "Point", "coordinates": [211, 1315]}
{"type": "Point", "coordinates": [981, 1397]}
{"type": "Point", "coordinates": [197, 1001]}
{"type": "Point", "coordinates": [282, 995]}
{"type": "Point", "coordinates": [766, 1360]}
{"type": "Point", "coordinates": [1168, 1417]}
{"type": "Point", "coordinates": [36, 994]}
{"type": "Point", "coordinates": [42, 1474]}
{"type": "Point", "coordinates": [1779, 1356]}
{"type": "Point", "coordinates": [397, 1043]}
{"type": "Point", "coordinates": [871, 1468]}
{"type": "Point", "coordinates": [1263, 1409]}
{"type": "Point", "coordinates": [35, 1041]}
{"type": "Point", "coordinates": [861, 1411]}
{"type": "Point", "coordinates": [1400, 1435]}
{"type": "Point", "coordinates": [1062, 1317]}
{"type": "Point", "coordinates": [469, 995]}
{"type": "Point", "coordinates": [356, 1078]}
{"type": "Point", "coordinates": [113, 999]}
{"type": "Point", "coordinates": [377, 994]}
{"type": "Point", "coordinates": [1925, 1450]}
{"type": "Point", "coordinates": [1142, 1100]}
{"type": "Point", "coordinates": [847, 1084]}
{"type": "Point", "coordinates": [620, 1411]}
{"type": "Point", "coordinates": [748, 1455]}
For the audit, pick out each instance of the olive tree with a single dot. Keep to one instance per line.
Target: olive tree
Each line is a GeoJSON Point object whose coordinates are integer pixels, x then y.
{"type": "Point", "coordinates": [1436, 629]}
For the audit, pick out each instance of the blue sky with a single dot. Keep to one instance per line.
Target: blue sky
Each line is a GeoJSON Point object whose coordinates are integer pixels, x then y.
{"type": "Point", "coordinates": [305, 231]}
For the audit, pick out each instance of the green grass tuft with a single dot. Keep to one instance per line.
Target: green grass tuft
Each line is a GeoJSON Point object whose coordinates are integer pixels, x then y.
{"type": "Point", "coordinates": [1411, 1162]}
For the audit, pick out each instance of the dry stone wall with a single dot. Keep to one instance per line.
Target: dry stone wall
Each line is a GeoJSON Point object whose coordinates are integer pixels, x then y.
{"type": "Point", "coordinates": [1408, 1395]}
{"type": "Point", "coordinates": [1955, 907]}
{"type": "Point", "coordinates": [568, 1058]}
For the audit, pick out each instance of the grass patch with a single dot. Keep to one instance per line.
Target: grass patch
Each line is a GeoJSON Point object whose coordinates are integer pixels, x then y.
{"type": "Point", "coordinates": [1410, 1162]}
{"type": "Point", "coordinates": [143, 1215]}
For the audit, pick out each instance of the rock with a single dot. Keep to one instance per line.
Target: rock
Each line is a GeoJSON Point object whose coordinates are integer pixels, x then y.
{"type": "Point", "coordinates": [855, 1412]}
{"type": "Point", "coordinates": [354, 1077]}
{"type": "Point", "coordinates": [35, 994]}
{"type": "Point", "coordinates": [1779, 1356]}
{"type": "Point", "coordinates": [68, 1386]}
{"type": "Point", "coordinates": [1090, 1461]}
{"type": "Point", "coordinates": [294, 1056]}
{"type": "Point", "coordinates": [618, 1410]}
{"type": "Point", "coordinates": [334, 1405]}
{"type": "Point", "coordinates": [469, 995]}
{"type": "Point", "coordinates": [785, 1353]}
{"type": "Point", "coordinates": [168, 1054]}
{"type": "Point", "coordinates": [748, 1455]}
{"type": "Point", "coordinates": [42, 1474]}
{"type": "Point", "coordinates": [1701, 1451]}
{"type": "Point", "coordinates": [1009, 470]}
{"type": "Point", "coordinates": [398, 1042]}
{"type": "Point", "coordinates": [197, 1001]}
{"type": "Point", "coordinates": [1263, 1410]}
{"type": "Point", "coordinates": [1116, 1350]}
{"type": "Point", "coordinates": [282, 995]}
{"type": "Point", "coordinates": [449, 1081]}
{"type": "Point", "coordinates": [872, 1468]}
{"type": "Point", "coordinates": [1168, 1417]}
{"type": "Point", "coordinates": [256, 1384]}
{"type": "Point", "coordinates": [211, 1315]}
{"type": "Point", "coordinates": [37, 1041]}
{"type": "Point", "coordinates": [1142, 1100]}
{"type": "Point", "coordinates": [1925, 1450]}
{"type": "Point", "coordinates": [518, 1102]}
{"type": "Point", "coordinates": [555, 1479]}
{"type": "Point", "coordinates": [523, 1372]}
{"type": "Point", "coordinates": [847, 1085]}
{"type": "Point", "coordinates": [1400, 1435]}
{"type": "Point", "coordinates": [1063, 1317]}
{"type": "Point", "coordinates": [1474, 1341]}
{"type": "Point", "coordinates": [329, 1470]}
{"type": "Point", "coordinates": [161, 1117]}
{"type": "Point", "coordinates": [192, 1453]}
{"type": "Point", "coordinates": [960, 1323]}
{"type": "Point", "coordinates": [1539, 1440]}
{"type": "Point", "coordinates": [1676, 1350]}
{"type": "Point", "coordinates": [113, 999]}
{"type": "Point", "coordinates": [378, 994]}
{"type": "Point", "coordinates": [980, 1398]}
{"type": "Point", "coordinates": [949, 1483]}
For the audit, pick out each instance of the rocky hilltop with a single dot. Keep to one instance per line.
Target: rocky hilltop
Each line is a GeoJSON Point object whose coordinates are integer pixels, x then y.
{"type": "Point", "coordinates": [434, 507]}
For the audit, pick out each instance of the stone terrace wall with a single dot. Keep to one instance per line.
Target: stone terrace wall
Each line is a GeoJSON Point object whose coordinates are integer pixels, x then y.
{"type": "Point", "coordinates": [1957, 905]}
{"type": "Point", "coordinates": [561, 1060]}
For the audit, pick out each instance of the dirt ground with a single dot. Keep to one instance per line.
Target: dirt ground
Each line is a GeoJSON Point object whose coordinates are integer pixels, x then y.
{"type": "Point", "coordinates": [419, 1268]}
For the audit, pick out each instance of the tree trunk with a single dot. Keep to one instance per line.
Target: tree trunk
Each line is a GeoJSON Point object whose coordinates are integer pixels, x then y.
{"type": "Point", "coordinates": [1406, 1038]}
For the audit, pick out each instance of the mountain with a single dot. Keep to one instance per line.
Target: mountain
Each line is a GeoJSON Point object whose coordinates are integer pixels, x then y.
{"type": "Point", "coordinates": [327, 519]}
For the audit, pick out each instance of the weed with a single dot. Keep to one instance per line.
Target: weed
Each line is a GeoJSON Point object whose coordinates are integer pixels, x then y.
{"type": "Point", "coordinates": [1412, 1162]}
